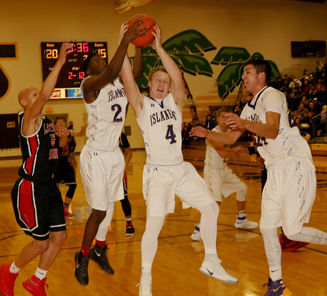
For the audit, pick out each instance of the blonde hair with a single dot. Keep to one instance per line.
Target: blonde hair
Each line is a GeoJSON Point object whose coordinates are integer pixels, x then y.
{"type": "Point", "coordinates": [157, 69]}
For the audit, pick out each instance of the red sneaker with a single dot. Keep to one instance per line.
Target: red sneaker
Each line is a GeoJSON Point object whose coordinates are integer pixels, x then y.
{"type": "Point", "coordinates": [35, 286]}
{"type": "Point", "coordinates": [292, 246]}
{"type": "Point", "coordinates": [68, 214]}
{"type": "Point", "coordinates": [283, 239]}
{"type": "Point", "coordinates": [7, 280]}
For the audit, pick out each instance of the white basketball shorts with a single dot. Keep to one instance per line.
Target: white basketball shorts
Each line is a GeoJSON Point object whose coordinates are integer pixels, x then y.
{"type": "Point", "coordinates": [102, 174]}
{"type": "Point", "coordinates": [222, 181]}
{"type": "Point", "coordinates": [288, 195]}
{"type": "Point", "coordinates": [161, 183]}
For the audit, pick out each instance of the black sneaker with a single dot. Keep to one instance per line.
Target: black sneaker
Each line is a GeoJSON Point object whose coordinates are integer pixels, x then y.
{"type": "Point", "coordinates": [81, 268]}
{"type": "Point", "coordinates": [99, 256]}
{"type": "Point", "coordinates": [129, 228]}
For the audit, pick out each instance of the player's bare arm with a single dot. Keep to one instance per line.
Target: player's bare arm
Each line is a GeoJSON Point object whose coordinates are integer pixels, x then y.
{"type": "Point", "coordinates": [228, 138]}
{"type": "Point", "coordinates": [134, 97]}
{"type": "Point", "coordinates": [177, 82]}
{"type": "Point", "coordinates": [32, 114]}
{"type": "Point", "coordinates": [94, 83]}
{"type": "Point", "coordinates": [268, 130]}
{"type": "Point", "coordinates": [80, 133]}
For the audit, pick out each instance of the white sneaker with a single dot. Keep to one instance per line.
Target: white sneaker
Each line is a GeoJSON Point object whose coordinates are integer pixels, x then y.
{"type": "Point", "coordinates": [196, 236]}
{"type": "Point", "coordinates": [214, 269]}
{"type": "Point", "coordinates": [145, 288]}
{"type": "Point", "coordinates": [245, 224]}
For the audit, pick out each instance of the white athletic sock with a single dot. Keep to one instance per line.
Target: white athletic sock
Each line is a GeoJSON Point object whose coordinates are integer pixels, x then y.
{"type": "Point", "coordinates": [104, 225]}
{"type": "Point", "coordinates": [310, 235]}
{"type": "Point", "coordinates": [40, 273]}
{"type": "Point", "coordinates": [208, 226]}
{"type": "Point", "coordinates": [273, 252]}
{"type": "Point", "coordinates": [149, 243]}
{"type": "Point", "coordinates": [213, 257]}
{"type": "Point", "coordinates": [13, 268]}
{"type": "Point", "coordinates": [241, 215]}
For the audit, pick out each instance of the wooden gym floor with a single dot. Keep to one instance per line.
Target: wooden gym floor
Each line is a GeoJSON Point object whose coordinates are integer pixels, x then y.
{"type": "Point", "coordinates": [175, 269]}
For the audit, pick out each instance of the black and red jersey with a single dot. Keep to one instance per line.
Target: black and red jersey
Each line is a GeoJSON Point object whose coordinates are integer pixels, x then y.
{"type": "Point", "coordinates": [39, 151]}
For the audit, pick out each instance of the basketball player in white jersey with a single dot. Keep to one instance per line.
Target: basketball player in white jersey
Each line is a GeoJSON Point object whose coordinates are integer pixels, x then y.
{"type": "Point", "coordinates": [101, 160]}
{"type": "Point", "coordinates": [290, 190]}
{"type": "Point", "coordinates": [221, 180]}
{"type": "Point", "coordinates": [165, 173]}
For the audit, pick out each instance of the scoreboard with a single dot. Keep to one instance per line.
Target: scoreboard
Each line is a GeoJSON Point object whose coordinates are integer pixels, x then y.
{"type": "Point", "coordinates": [71, 74]}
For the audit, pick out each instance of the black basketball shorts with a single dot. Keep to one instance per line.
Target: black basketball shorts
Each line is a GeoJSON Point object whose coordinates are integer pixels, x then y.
{"type": "Point", "coordinates": [38, 208]}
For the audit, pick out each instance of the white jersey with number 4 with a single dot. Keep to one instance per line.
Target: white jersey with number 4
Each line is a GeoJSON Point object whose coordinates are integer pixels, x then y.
{"type": "Point", "coordinates": [160, 123]}
{"type": "Point", "coordinates": [289, 142]}
{"type": "Point", "coordinates": [106, 117]}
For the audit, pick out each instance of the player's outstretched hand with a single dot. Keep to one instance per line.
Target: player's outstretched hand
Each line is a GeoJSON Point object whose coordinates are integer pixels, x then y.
{"type": "Point", "coordinates": [65, 49]}
{"type": "Point", "coordinates": [123, 30]}
{"type": "Point", "coordinates": [199, 131]}
{"type": "Point", "coordinates": [156, 44]}
{"type": "Point", "coordinates": [234, 122]}
{"type": "Point", "coordinates": [134, 30]}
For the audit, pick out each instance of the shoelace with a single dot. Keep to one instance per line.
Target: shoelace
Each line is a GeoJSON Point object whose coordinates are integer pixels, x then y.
{"type": "Point", "coordinates": [83, 265]}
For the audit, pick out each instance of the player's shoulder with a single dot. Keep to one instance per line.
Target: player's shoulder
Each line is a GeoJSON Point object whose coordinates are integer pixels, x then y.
{"type": "Point", "coordinates": [271, 91]}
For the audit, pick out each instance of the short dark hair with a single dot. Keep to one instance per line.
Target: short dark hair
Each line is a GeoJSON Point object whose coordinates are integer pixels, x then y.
{"type": "Point", "coordinates": [224, 109]}
{"type": "Point", "coordinates": [86, 62]}
{"type": "Point", "coordinates": [261, 66]}
{"type": "Point", "coordinates": [59, 118]}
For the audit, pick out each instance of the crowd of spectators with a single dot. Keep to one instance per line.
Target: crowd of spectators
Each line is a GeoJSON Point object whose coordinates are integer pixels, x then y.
{"type": "Point", "coordinates": [307, 99]}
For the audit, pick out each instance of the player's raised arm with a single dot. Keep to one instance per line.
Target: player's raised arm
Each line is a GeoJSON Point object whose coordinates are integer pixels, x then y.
{"type": "Point", "coordinates": [134, 97]}
{"type": "Point", "coordinates": [33, 101]}
{"type": "Point", "coordinates": [177, 81]}
{"type": "Point", "coordinates": [138, 63]}
{"type": "Point", "coordinates": [96, 82]}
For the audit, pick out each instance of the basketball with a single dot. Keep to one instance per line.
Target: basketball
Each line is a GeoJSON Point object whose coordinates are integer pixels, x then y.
{"type": "Point", "coordinates": [149, 23]}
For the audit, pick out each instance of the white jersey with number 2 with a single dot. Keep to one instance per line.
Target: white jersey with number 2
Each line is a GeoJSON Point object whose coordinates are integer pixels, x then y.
{"type": "Point", "coordinates": [106, 117]}
{"type": "Point", "coordinates": [160, 123]}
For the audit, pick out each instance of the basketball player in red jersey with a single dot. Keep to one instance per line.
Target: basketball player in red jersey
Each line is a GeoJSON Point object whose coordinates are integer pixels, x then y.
{"type": "Point", "coordinates": [36, 199]}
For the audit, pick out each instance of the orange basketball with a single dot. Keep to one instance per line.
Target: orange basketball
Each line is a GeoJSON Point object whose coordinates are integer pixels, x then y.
{"type": "Point", "coordinates": [148, 23]}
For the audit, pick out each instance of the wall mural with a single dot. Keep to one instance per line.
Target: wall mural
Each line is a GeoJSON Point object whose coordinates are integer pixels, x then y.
{"type": "Point", "coordinates": [187, 49]}
{"type": "Point", "coordinates": [234, 58]}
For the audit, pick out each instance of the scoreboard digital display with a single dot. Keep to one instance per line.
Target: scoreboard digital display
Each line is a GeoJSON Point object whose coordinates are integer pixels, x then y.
{"type": "Point", "coordinates": [71, 74]}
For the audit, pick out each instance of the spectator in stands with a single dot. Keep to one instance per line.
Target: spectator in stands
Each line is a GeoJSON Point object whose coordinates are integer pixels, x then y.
{"type": "Point", "coordinates": [301, 110]}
